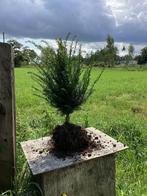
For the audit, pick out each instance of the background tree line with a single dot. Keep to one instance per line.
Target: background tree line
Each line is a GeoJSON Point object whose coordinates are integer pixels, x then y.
{"type": "Point", "coordinates": [105, 57]}
{"type": "Point", "coordinates": [109, 55]}
{"type": "Point", "coordinates": [23, 56]}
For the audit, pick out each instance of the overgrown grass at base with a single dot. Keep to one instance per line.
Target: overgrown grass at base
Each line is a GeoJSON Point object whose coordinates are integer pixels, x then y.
{"type": "Point", "coordinates": [117, 107]}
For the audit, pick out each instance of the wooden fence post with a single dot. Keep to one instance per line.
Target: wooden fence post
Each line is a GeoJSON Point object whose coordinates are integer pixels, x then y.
{"type": "Point", "coordinates": [7, 118]}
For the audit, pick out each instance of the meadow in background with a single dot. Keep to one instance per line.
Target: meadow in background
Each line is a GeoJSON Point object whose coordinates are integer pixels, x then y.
{"type": "Point", "coordinates": [118, 107]}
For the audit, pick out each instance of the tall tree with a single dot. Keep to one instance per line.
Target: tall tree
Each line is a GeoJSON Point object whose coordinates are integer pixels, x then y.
{"type": "Point", "coordinates": [131, 50]}
{"type": "Point", "coordinates": [142, 58]}
{"type": "Point", "coordinates": [144, 54]}
{"type": "Point", "coordinates": [18, 56]}
{"type": "Point", "coordinates": [15, 45]}
{"type": "Point", "coordinates": [22, 55]}
{"type": "Point", "coordinates": [130, 53]}
{"type": "Point", "coordinates": [29, 56]}
{"type": "Point", "coordinates": [111, 51]}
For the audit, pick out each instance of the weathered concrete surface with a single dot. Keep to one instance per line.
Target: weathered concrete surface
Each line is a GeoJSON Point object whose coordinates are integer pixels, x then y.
{"type": "Point", "coordinates": [41, 160]}
{"type": "Point", "coordinates": [91, 173]}
{"type": "Point", "coordinates": [91, 178]}
{"type": "Point", "coordinates": [7, 117]}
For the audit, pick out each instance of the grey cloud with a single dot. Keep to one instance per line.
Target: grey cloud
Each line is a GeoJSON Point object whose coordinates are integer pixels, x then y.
{"type": "Point", "coordinates": [90, 20]}
{"type": "Point", "coordinates": [133, 23]}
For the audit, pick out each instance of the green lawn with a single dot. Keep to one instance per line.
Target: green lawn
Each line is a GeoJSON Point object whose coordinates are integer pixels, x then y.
{"type": "Point", "coordinates": [118, 107]}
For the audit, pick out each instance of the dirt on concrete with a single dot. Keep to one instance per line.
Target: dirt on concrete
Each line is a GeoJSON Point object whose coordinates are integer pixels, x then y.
{"type": "Point", "coordinates": [69, 138]}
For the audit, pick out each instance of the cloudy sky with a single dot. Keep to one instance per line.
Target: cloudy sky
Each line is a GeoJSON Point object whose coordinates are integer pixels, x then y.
{"type": "Point", "coordinates": [90, 20]}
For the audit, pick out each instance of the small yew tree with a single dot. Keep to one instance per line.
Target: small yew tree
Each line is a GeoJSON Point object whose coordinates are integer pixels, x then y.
{"type": "Point", "coordinates": [64, 82]}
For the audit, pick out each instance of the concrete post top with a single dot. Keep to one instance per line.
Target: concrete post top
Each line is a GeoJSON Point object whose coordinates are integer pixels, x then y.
{"type": "Point", "coordinates": [41, 160]}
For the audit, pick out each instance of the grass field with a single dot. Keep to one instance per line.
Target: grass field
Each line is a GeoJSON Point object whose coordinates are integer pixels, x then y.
{"type": "Point", "coordinates": [118, 107]}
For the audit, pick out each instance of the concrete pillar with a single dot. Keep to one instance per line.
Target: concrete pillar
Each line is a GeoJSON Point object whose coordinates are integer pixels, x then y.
{"type": "Point", "coordinates": [90, 178]}
{"type": "Point", "coordinates": [91, 173]}
{"type": "Point", "coordinates": [7, 117]}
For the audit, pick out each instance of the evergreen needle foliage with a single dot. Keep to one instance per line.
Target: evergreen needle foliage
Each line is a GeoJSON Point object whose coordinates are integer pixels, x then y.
{"type": "Point", "coordinates": [64, 82]}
